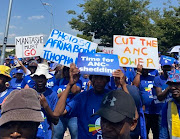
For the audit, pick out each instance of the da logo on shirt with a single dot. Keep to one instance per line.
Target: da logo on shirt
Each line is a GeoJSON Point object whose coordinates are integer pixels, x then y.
{"type": "Point", "coordinates": [95, 128]}
{"type": "Point", "coordinates": [148, 89]}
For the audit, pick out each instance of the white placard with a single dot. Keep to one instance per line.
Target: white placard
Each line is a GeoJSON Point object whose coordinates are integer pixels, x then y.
{"type": "Point", "coordinates": [133, 50]}
{"type": "Point", "coordinates": [63, 48]}
{"type": "Point", "coordinates": [29, 46]}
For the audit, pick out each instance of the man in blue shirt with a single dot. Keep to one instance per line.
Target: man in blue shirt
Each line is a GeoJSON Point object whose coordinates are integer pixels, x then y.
{"type": "Point", "coordinates": [117, 115]}
{"type": "Point", "coordinates": [170, 123]}
{"type": "Point", "coordinates": [16, 82]}
{"type": "Point", "coordinates": [83, 105]}
{"type": "Point", "coordinates": [65, 122]}
{"type": "Point", "coordinates": [145, 83]}
{"type": "Point", "coordinates": [160, 90]}
{"type": "Point", "coordinates": [4, 78]}
{"type": "Point", "coordinates": [40, 77]}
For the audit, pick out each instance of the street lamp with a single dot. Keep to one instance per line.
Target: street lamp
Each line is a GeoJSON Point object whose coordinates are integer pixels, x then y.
{"type": "Point", "coordinates": [52, 20]}
{"type": "Point", "coordinates": [6, 33]}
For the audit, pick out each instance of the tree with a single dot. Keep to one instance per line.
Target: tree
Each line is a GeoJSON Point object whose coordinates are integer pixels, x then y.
{"type": "Point", "coordinates": [167, 27]}
{"type": "Point", "coordinates": [105, 18]}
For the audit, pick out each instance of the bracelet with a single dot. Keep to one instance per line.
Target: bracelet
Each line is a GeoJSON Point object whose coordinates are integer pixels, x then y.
{"type": "Point", "coordinates": [139, 73]}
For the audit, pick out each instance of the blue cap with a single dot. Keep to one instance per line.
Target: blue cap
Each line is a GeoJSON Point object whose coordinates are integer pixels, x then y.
{"type": "Point", "coordinates": [166, 60]}
{"type": "Point", "coordinates": [19, 71]}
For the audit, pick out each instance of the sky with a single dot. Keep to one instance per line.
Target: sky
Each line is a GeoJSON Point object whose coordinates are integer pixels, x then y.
{"type": "Point", "coordinates": [30, 17]}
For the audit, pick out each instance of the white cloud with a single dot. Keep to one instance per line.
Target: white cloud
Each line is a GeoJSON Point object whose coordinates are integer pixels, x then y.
{"type": "Point", "coordinates": [11, 35]}
{"type": "Point", "coordinates": [17, 17]}
{"type": "Point", "coordinates": [12, 27]}
{"type": "Point", "coordinates": [1, 33]}
{"type": "Point", "coordinates": [36, 17]}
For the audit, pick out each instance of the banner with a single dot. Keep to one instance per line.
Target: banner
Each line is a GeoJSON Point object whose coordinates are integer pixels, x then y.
{"type": "Point", "coordinates": [97, 64]}
{"type": "Point", "coordinates": [107, 50]}
{"type": "Point", "coordinates": [63, 48]}
{"type": "Point", "coordinates": [29, 46]}
{"type": "Point", "coordinates": [133, 50]}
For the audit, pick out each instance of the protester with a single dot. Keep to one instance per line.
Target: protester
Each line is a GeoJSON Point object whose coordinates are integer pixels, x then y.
{"type": "Point", "coordinates": [83, 105]}
{"type": "Point", "coordinates": [160, 82]}
{"type": "Point", "coordinates": [40, 77]}
{"type": "Point", "coordinates": [4, 78]}
{"type": "Point", "coordinates": [32, 66]}
{"type": "Point", "coordinates": [170, 123]}
{"type": "Point", "coordinates": [145, 83]}
{"type": "Point", "coordinates": [16, 82]}
{"type": "Point", "coordinates": [160, 91]}
{"type": "Point", "coordinates": [14, 70]}
{"type": "Point", "coordinates": [117, 113]}
{"type": "Point", "coordinates": [21, 115]}
{"type": "Point", "coordinates": [120, 81]}
{"type": "Point", "coordinates": [65, 122]}
{"type": "Point", "coordinates": [8, 62]}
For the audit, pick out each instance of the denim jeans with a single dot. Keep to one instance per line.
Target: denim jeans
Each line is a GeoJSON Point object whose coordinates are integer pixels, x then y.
{"type": "Point", "coordinates": [63, 124]}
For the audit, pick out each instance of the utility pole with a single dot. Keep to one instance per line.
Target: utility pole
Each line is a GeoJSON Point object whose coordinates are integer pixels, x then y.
{"type": "Point", "coordinates": [6, 33]}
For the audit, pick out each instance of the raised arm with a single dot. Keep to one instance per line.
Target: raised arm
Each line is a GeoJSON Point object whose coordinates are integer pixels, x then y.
{"type": "Point", "coordinates": [120, 80]}
{"type": "Point", "coordinates": [136, 81]}
{"type": "Point", "coordinates": [60, 106]}
{"type": "Point", "coordinates": [20, 63]}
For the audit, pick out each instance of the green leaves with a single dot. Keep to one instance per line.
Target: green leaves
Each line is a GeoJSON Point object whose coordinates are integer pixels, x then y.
{"type": "Point", "coordinates": [105, 18]}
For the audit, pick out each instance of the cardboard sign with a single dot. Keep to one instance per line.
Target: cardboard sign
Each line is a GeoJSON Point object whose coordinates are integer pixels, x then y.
{"type": "Point", "coordinates": [29, 46]}
{"type": "Point", "coordinates": [63, 48]}
{"type": "Point", "coordinates": [107, 50]}
{"type": "Point", "coordinates": [133, 50]}
{"type": "Point", "coordinates": [97, 64]}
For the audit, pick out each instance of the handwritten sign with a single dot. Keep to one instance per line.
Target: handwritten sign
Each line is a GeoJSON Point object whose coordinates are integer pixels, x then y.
{"type": "Point", "coordinates": [97, 64]}
{"type": "Point", "coordinates": [63, 48]}
{"type": "Point", "coordinates": [29, 46]}
{"type": "Point", "coordinates": [133, 50]}
{"type": "Point", "coordinates": [107, 50]}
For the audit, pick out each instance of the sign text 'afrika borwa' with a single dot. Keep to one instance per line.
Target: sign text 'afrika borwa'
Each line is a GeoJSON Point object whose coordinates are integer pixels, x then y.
{"type": "Point", "coordinates": [97, 63]}
{"type": "Point", "coordinates": [133, 50]}
{"type": "Point", "coordinates": [63, 48]}
{"type": "Point", "coordinates": [29, 46]}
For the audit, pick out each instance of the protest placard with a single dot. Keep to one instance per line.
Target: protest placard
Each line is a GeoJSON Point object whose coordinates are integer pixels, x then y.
{"type": "Point", "coordinates": [133, 50]}
{"type": "Point", "coordinates": [29, 46]}
{"type": "Point", "coordinates": [63, 48]}
{"type": "Point", "coordinates": [97, 64]}
{"type": "Point", "coordinates": [107, 50]}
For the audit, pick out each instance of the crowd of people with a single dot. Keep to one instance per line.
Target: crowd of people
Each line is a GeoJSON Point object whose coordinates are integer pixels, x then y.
{"type": "Point", "coordinates": [40, 99]}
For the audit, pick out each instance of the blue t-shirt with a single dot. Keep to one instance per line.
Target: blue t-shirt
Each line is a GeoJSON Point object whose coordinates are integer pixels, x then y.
{"type": "Point", "coordinates": [27, 80]}
{"type": "Point", "coordinates": [156, 107]}
{"type": "Point", "coordinates": [15, 84]}
{"type": "Point", "coordinates": [145, 88]}
{"type": "Point", "coordinates": [82, 106]}
{"type": "Point", "coordinates": [51, 81]}
{"type": "Point", "coordinates": [3, 95]}
{"type": "Point", "coordinates": [45, 129]}
{"type": "Point", "coordinates": [62, 86]}
{"type": "Point", "coordinates": [84, 82]}
{"type": "Point", "coordinates": [13, 72]}
{"type": "Point", "coordinates": [164, 133]}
